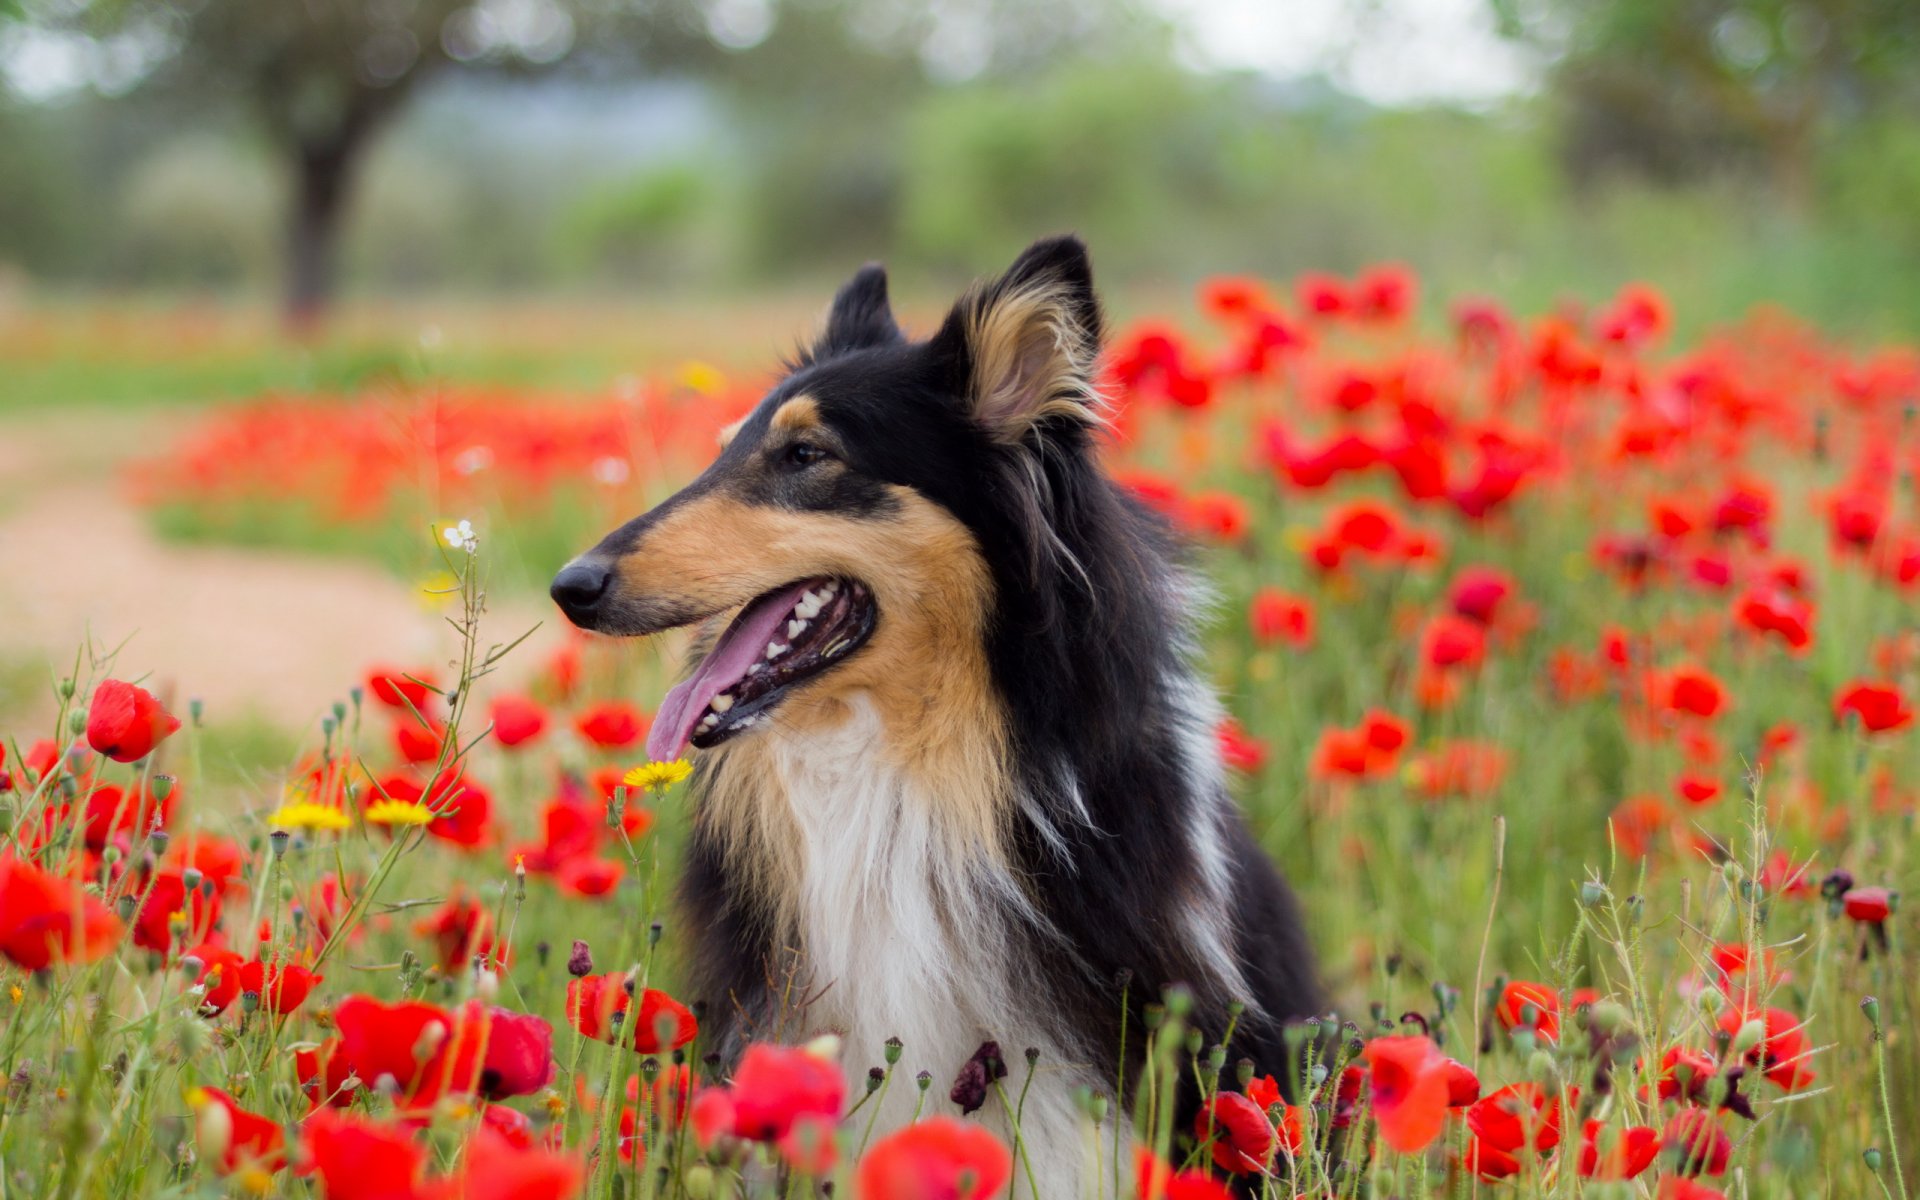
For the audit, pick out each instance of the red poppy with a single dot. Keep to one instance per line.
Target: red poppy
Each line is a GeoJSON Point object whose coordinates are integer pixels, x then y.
{"type": "Point", "coordinates": [1869, 905]}
{"type": "Point", "coordinates": [589, 876]}
{"type": "Point", "coordinates": [1617, 1153]}
{"type": "Point", "coordinates": [137, 812]}
{"type": "Point", "coordinates": [465, 808]}
{"type": "Point", "coordinates": [940, 1158]}
{"type": "Point", "coordinates": [1697, 1142]}
{"type": "Point", "coordinates": [281, 987]}
{"type": "Point", "coordinates": [425, 1050]}
{"type": "Point", "coordinates": [417, 743]}
{"type": "Point", "coordinates": [1530, 1005]}
{"type": "Point", "coordinates": [1240, 749]}
{"type": "Point", "coordinates": [360, 1159]}
{"type": "Point", "coordinates": [1463, 1086]}
{"type": "Point", "coordinates": [1697, 790]}
{"type": "Point", "coordinates": [1450, 641]}
{"type": "Point", "coordinates": [168, 896]}
{"type": "Point", "coordinates": [598, 1006]}
{"type": "Point", "coordinates": [516, 720]}
{"type": "Point", "coordinates": [612, 724]}
{"type": "Point", "coordinates": [1684, 1072]}
{"type": "Point", "coordinates": [219, 978]}
{"type": "Point", "coordinates": [1479, 592]}
{"type": "Point", "coordinates": [494, 1168]}
{"type": "Point", "coordinates": [775, 1085]}
{"type": "Point", "coordinates": [232, 1137]}
{"type": "Point", "coordinates": [1784, 1053]}
{"type": "Point", "coordinates": [1409, 1081]}
{"type": "Point", "coordinates": [323, 1074]}
{"type": "Point", "coordinates": [1323, 295]}
{"type": "Point", "coordinates": [1278, 616]}
{"type": "Point", "coordinates": [1769, 611]}
{"type": "Point", "coordinates": [809, 1146]}
{"type": "Point", "coordinates": [1879, 707]}
{"type": "Point", "coordinates": [712, 1116]}
{"type": "Point", "coordinates": [406, 691]}
{"type": "Point", "coordinates": [1517, 1115]}
{"type": "Point", "coordinates": [1692, 691]}
{"type": "Point", "coordinates": [1241, 1136]}
{"type": "Point", "coordinates": [45, 919]}
{"type": "Point", "coordinates": [519, 1057]}
{"type": "Point", "coordinates": [461, 929]}
{"type": "Point", "coordinates": [125, 722]}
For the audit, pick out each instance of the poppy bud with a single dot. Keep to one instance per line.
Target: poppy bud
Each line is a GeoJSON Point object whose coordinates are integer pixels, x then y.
{"type": "Point", "coordinates": [1871, 1007]}
{"type": "Point", "coordinates": [66, 689]}
{"type": "Point", "coordinates": [892, 1051]}
{"type": "Point", "coordinates": [1872, 1157]}
{"type": "Point", "coordinates": [1592, 894]}
{"type": "Point", "coordinates": [698, 1181]}
{"type": "Point", "coordinates": [875, 1077]}
{"type": "Point", "coordinates": [923, 1080]}
{"type": "Point", "coordinates": [1750, 1034]}
{"type": "Point", "coordinates": [1179, 998]}
{"type": "Point", "coordinates": [76, 722]}
{"type": "Point", "coordinates": [124, 905]}
{"type": "Point", "coordinates": [157, 841]}
{"type": "Point", "coordinates": [1711, 1001]}
{"type": "Point", "coordinates": [580, 962]}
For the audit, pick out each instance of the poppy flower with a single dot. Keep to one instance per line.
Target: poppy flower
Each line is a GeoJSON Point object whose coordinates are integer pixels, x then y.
{"type": "Point", "coordinates": [1869, 905]}
{"type": "Point", "coordinates": [612, 724]}
{"type": "Point", "coordinates": [281, 987]}
{"type": "Point", "coordinates": [1616, 1153]}
{"type": "Point", "coordinates": [775, 1085]}
{"type": "Point", "coordinates": [1450, 641]}
{"type": "Point", "coordinates": [1155, 1179]}
{"type": "Point", "coordinates": [1515, 1116]}
{"type": "Point", "coordinates": [1692, 691]}
{"type": "Point", "coordinates": [463, 808]}
{"type": "Point", "coordinates": [1463, 1086]}
{"type": "Point", "coordinates": [125, 722]}
{"type": "Point", "coordinates": [1278, 616]}
{"type": "Point", "coordinates": [168, 896]}
{"type": "Point", "coordinates": [323, 1074]}
{"type": "Point", "coordinates": [408, 691]}
{"type": "Point", "coordinates": [598, 1006]}
{"type": "Point", "coordinates": [232, 1137]}
{"type": "Point", "coordinates": [1410, 1083]}
{"type": "Point", "coordinates": [219, 978]}
{"type": "Point", "coordinates": [589, 876]}
{"type": "Point", "coordinates": [45, 919]}
{"type": "Point", "coordinates": [712, 1116]}
{"type": "Point", "coordinates": [1530, 1005]}
{"type": "Point", "coordinates": [1676, 1187]}
{"type": "Point", "coordinates": [519, 1057]}
{"type": "Point", "coordinates": [137, 812]}
{"type": "Point", "coordinates": [516, 720]}
{"type": "Point", "coordinates": [417, 743]}
{"type": "Point", "coordinates": [461, 929]}
{"type": "Point", "coordinates": [1241, 1136]}
{"type": "Point", "coordinates": [1684, 1073]}
{"type": "Point", "coordinates": [424, 1050]}
{"type": "Point", "coordinates": [1240, 749]}
{"type": "Point", "coordinates": [1696, 1141]}
{"type": "Point", "coordinates": [1697, 790]}
{"type": "Point", "coordinates": [360, 1159]}
{"type": "Point", "coordinates": [1784, 1052]}
{"type": "Point", "coordinates": [1879, 707]}
{"type": "Point", "coordinates": [1479, 592]}
{"type": "Point", "coordinates": [809, 1146]}
{"type": "Point", "coordinates": [494, 1168]}
{"type": "Point", "coordinates": [940, 1158]}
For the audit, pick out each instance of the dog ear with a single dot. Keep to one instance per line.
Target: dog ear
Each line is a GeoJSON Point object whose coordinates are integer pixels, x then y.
{"type": "Point", "coordinates": [1022, 347]}
{"type": "Point", "coordinates": [860, 316]}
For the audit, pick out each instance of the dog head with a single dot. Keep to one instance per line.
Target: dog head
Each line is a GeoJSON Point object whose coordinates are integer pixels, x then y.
{"type": "Point", "coordinates": [841, 529]}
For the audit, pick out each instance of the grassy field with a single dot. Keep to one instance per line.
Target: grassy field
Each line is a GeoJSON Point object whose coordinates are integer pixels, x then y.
{"type": "Point", "coordinates": [1542, 636]}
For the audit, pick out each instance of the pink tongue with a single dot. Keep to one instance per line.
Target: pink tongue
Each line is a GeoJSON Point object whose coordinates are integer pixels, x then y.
{"type": "Point", "coordinates": [725, 665]}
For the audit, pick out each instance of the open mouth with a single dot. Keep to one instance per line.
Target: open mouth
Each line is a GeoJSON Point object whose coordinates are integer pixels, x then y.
{"type": "Point", "coordinates": [779, 641]}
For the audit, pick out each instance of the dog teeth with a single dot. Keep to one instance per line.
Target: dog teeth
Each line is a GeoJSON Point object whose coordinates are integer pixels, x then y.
{"type": "Point", "coordinates": [831, 589]}
{"type": "Point", "coordinates": [707, 723]}
{"type": "Point", "coordinates": [809, 606]}
{"type": "Point", "coordinates": [720, 703]}
{"type": "Point", "coordinates": [795, 629]}
{"type": "Point", "coordinates": [776, 649]}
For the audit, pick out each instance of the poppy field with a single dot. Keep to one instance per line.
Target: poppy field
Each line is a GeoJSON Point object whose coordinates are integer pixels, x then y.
{"type": "Point", "coordinates": [1573, 669]}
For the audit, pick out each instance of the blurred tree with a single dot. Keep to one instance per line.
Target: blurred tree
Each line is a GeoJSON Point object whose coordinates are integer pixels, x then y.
{"type": "Point", "coordinates": [1676, 88]}
{"type": "Point", "coordinates": [322, 77]}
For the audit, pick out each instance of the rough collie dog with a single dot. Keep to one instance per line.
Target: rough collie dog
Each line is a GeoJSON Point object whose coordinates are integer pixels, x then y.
{"type": "Point", "coordinates": [956, 772]}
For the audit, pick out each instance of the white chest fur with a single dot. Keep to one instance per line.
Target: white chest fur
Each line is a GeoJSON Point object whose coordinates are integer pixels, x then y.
{"type": "Point", "coordinates": [904, 934]}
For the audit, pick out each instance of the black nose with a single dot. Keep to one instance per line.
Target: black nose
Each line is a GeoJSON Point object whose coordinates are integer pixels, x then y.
{"type": "Point", "coordinates": [578, 588]}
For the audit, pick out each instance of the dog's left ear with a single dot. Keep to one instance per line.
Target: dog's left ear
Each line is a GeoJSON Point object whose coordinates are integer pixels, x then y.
{"type": "Point", "coordinates": [1022, 347]}
{"type": "Point", "coordinates": [860, 316]}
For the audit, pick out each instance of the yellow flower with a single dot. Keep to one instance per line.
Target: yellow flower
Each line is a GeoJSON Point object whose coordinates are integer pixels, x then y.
{"type": "Point", "coordinates": [16, 995]}
{"type": "Point", "coordinates": [304, 814]}
{"type": "Point", "coordinates": [702, 377]}
{"type": "Point", "coordinates": [398, 812]}
{"type": "Point", "coordinates": [658, 776]}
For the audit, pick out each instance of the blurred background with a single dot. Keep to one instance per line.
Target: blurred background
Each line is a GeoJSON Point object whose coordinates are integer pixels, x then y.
{"type": "Point", "coordinates": [244, 242]}
{"type": "Point", "coordinates": [313, 153]}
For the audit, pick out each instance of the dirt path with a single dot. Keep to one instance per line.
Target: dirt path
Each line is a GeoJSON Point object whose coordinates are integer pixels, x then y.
{"type": "Point", "coordinates": [273, 634]}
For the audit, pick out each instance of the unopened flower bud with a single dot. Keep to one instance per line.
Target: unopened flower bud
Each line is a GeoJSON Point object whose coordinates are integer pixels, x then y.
{"type": "Point", "coordinates": [1871, 1007]}
{"type": "Point", "coordinates": [580, 962]}
{"type": "Point", "coordinates": [1873, 1158]}
{"type": "Point", "coordinates": [191, 877]}
{"type": "Point", "coordinates": [1751, 1034]}
{"type": "Point", "coordinates": [157, 841]}
{"type": "Point", "coordinates": [875, 1077]}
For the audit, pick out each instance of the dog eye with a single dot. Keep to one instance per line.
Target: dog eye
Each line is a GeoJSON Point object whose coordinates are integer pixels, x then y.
{"type": "Point", "coordinates": [805, 454]}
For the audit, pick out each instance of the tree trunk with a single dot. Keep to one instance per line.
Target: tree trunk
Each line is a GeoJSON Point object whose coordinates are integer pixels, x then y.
{"type": "Point", "coordinates": [323, 175]}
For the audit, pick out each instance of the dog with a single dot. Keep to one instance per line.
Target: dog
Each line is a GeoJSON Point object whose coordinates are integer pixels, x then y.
{"type": "Point", "coordinates": [956, 773]}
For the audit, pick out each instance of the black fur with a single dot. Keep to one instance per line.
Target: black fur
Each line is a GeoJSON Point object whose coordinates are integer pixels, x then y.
{"type": "Point", "coordinates": [1089, 628]}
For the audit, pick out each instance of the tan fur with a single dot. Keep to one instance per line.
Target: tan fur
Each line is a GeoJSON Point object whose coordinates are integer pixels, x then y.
{"type": "Point", "coordinates": [731, 430]}
{"type": "Point", "coordinates": [924, 670]}
{"type": "Point", "coordinates": [796, 416]}
{"type": "Point", "coordinates": [1030, 361]}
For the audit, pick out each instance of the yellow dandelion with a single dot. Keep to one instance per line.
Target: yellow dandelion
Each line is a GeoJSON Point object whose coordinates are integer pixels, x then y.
{"type": "Point", "coordinates": [658, 776]}
{"type": "Point", "coordinates": [16, 995]}
{"type": "Point", "coordinates": [398, 812]}
{"type": "Point", "coordinates": [304, 814]}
